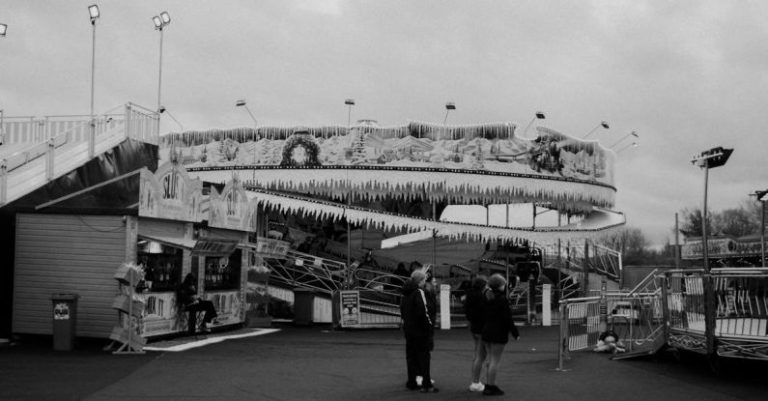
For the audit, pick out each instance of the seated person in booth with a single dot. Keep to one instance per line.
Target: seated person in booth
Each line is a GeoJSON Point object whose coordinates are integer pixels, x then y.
{"type": "Point", "coordinates": [192, 304]}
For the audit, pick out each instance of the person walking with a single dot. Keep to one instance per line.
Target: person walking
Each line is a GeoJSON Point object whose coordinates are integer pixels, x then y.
{"type": "Point", "coordinates": [474, 303]}
{"type": "Point", "coordinates": [419, 332]}
{"type": "Point", "coordinates": [496, 329]}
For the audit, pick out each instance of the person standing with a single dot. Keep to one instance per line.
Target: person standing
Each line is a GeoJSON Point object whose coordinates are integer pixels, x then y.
{"type": "Point", "coordinates": [419, 332]}
{"type": "Point", "coordinates": [474, 311]}
{"type": "Point", "coordinates": [496, 329]}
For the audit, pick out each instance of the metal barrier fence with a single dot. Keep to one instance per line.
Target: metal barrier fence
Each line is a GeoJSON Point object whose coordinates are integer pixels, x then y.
{"type": "Point", "coordinates": [721, 313]}
{"type": "Point", "coordinates": [579, 325]}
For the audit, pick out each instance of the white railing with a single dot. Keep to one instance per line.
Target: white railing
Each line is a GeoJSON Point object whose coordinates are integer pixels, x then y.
{"type": "Point", "coordinates": [27, 139]}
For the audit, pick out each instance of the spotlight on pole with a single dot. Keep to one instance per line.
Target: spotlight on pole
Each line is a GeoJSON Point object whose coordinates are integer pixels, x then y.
{"type": "Point", "coordinates": [708, 159]}
{"type": "Point", "coordinates": [633, 133]}
{"type": "Point", "coordinates": [538, 115]}
{"type": "Point", "coordinates": [448, 107]}
{"type": "Point", "coordinates": [160, 22]}
{"type": "Point", "coordinates": [350, 103]}
{"type": "Point", "coordinates": [602, 124]}
{"type": "Point", "coordinates": [93, 10]}
{"type": "Point", "coordinates": [242, 103]}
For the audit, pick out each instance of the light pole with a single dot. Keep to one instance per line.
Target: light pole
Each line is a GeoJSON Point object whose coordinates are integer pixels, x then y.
{"type": "Point", "coordinates": [93, 11]}
{"type": "Point", "coordinates": [633, 133]}
{"type": "Point", "coordinates": [3, 30]}
{"type": "Point", "coordinates": [762, 196]}
{"type": "Point", "coordinates": [349, 103]}
{"type": "Point", "coordinates": [708, 159]}
{"type": "Point", "coordinates": [448, 107]}
{"type": "Point", "coordinates": [161, 21]}
{"type": "Point", "coordinates": [602, 124]}
{"type": "Point", "coordinates": [539, 115]}
{"type": "Point", "coordinates": [242, 103]}
{"type": "Point", "coordinates": [633, 144]}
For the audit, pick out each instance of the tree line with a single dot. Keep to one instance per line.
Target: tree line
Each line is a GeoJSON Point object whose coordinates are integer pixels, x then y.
{"type": "Point", "coordinates": [745, 219]}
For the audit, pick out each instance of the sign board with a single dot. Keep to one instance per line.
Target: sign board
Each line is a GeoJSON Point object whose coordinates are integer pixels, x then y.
{"type": "Point", "coordinates": [231, 208]}
{"type": "Point", "coordinates": [350, 308]}
{"type": "Point", "coordinates": [170, 194]}
{"type": "Point", "coordinates": [61, 311]}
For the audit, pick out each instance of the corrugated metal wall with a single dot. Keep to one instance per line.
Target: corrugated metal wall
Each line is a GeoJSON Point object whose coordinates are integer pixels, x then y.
{"type": "Point", "coordinates": [67, 254]}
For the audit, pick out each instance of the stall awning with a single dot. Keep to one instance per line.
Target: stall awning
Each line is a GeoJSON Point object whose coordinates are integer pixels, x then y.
{"type": "Point", "coordinates": [170, 240]}
{"type": "Point", "coordinates": [215, 247]}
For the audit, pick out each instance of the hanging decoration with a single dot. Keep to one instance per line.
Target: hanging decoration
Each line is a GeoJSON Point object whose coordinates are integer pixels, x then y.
{"type": "Point", "coordinates": [300, 150]}
{"type": "Point", "coordinates": [597, 224]}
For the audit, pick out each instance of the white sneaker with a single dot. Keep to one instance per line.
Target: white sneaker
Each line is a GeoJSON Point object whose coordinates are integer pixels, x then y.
{"type": "Point", "coordinates": [476, 387]}
{"type": "Point", "coordinates": [420, 379]}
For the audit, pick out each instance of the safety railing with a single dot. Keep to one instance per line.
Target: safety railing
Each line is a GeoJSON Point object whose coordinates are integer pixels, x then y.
{"type": "Point", "coordinates": [571, 257]}
{"type": "Point", "coordinates": [31, 138]}
{"type": "Point", "coordinates": [579, 326]}
{"type": "Point", "coordinates": [720, 313]}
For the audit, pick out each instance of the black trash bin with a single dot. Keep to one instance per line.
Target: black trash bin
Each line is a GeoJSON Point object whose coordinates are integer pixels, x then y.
{"type": "Point", "coordinates": [64, 321]}
{"type": "Point", "coordinates": [303, 306]}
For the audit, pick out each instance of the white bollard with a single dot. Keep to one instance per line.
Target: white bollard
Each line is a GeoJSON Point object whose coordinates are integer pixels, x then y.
{"type": "Point", "coordinates": [445, 306]}
{"type": "Point", "coordinates": [546, 305]}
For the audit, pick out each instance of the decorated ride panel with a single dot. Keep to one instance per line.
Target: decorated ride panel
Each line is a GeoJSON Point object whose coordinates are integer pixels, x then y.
{"type": "Point", "coordinates": [170, 194]}
{"type": "Point", "coordinates": [443, 162]}
{"type": "Point", "coordinates": [231, 208]}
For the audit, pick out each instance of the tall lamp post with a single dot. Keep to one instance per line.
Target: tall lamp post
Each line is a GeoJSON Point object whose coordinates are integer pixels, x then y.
{"type": "Point", "coordinates": [93, 11]}
{"type": "Point", "coordinates": [708, 159]}
{"type": "Point", "coordinates": [448, 107]}
{"type": "Point", "coordinates": [538, 116]}
{"type": "Point", "coordinates": [602, 124]}
{"type": "Point", "coordinates": [349, 103]}
{"type": "Point", "coordinates": [161, 21]}
{"type": "Point", "coordinates": [633, 133]}
{"type": "Point", "coordinates": [242, 103]}
{"type": "Point", "coordinates": [762, 196]}
{"type": "Point", "coordinates": [3, 30]}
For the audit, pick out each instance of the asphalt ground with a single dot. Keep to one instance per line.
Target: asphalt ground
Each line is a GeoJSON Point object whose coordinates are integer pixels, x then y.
{"type": "Point", "coordinates": [316, 363]}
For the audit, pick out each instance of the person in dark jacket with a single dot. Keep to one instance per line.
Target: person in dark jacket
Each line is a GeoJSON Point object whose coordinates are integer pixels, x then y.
{"type": "Point", "coordinates": [496, 329]}
{"type": "Point", "coordinates": [419, 332]}
{"type": "Point", "coordinates": [192, 303]}
{"type": "Point", "coordinates": [474, 311]}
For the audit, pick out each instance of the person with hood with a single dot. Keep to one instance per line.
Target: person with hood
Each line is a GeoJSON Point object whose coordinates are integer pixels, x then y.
{"type": "Point", "coordinates": [192, 303]}
{"type": "Point", "coordinates": [496, 329]}
{"type": "Point", "coordinates": [474, 305]}
{"type": "Point", "coordinates": [419, 332]}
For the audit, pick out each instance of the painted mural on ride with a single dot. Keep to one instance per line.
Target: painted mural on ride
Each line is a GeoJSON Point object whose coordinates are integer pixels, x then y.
{"type": "Point", "coordinates": [485, 147]}
{"type": "Point", "coordinates": [552, 166]}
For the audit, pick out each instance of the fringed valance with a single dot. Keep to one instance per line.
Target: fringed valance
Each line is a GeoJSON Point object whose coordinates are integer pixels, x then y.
{"type": "Point", "coordinates": [455, 187]}
{"type": "Point", "coordinates": [594, 226]}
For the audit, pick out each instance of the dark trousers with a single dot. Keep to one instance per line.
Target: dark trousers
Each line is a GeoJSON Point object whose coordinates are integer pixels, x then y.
{"type": "Point", "coordinates": [417, 357]}
{"type": "Point", "coordinates": [201, 305]}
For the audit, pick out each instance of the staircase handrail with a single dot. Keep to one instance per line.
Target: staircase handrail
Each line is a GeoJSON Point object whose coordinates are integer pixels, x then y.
{"type": "Point", "coordinates": [138, 123]}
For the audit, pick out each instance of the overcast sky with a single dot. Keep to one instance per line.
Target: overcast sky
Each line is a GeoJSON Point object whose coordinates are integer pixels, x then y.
{"type": "Point", "coordinates": [686, 75]}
